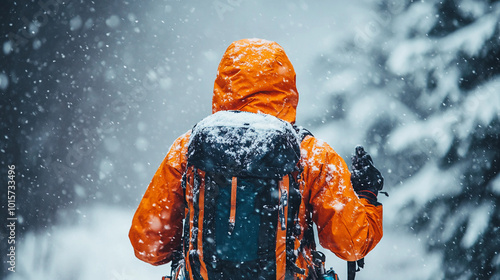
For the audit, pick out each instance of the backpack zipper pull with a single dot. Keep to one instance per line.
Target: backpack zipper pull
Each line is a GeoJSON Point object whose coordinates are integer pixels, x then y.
{"type": "Point", "coordinates": [283, 201]}
{"type": "Point", "coordinates": [283, 204]}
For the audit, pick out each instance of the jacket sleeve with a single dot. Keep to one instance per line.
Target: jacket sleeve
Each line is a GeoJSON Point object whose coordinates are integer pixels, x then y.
{"type": "Point", "coordinates": [156, 230]}
{"type": "Point", "coordinates": [348, 226]}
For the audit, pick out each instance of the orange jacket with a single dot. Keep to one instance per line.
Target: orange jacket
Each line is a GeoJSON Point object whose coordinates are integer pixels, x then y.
{"type": "Point", "coordinates": [256, 76]}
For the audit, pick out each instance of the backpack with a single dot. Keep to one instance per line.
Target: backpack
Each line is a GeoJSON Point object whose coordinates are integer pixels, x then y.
{"type": "Point", "coordinates": [242, 195]}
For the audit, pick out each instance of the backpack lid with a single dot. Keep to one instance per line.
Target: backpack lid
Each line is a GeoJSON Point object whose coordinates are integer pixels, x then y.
{"type": "Point", "coordinates": [240, 143]}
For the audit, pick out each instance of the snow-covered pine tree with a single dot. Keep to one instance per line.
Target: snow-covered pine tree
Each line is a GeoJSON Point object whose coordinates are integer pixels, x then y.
{"type": "Point", "coordinates": [419, 84]}
{"type": "Point", "coordinates": [448, 52]}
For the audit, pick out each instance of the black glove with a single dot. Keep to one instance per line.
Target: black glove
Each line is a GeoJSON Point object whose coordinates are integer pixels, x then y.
{"type": "Point", "coordinates": [365, 178]}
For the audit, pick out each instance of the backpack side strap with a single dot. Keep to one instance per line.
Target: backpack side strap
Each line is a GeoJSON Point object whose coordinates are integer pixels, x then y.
{"type": "Point", "coordinates": [232, 212]}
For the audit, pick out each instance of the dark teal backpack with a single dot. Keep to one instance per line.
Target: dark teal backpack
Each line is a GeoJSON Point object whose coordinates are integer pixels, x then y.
{"type": "Point", "coordinates": [242, 197]}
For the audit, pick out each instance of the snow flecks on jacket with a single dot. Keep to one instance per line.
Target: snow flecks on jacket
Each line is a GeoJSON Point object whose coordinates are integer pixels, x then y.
{"type": "Point", "coordinates": [332, 173]}
{"type": "Point", "coordinates": [155, 223]}
{"type": "Point", "coordinates": [177, 149]}
{"type": "Point", "coordinates": [337, 205]}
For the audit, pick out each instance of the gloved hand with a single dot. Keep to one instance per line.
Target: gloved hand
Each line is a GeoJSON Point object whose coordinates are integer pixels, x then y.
{"type": "Point", "coordinates": [365, 178]}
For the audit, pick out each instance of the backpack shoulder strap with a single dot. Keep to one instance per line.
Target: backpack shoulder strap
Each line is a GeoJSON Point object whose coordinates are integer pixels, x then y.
{"type": "Point", "coordinates": [302, 132]}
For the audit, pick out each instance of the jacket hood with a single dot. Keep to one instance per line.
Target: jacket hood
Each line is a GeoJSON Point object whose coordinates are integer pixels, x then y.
{"type": "Point", "coordinates": [256, 76]}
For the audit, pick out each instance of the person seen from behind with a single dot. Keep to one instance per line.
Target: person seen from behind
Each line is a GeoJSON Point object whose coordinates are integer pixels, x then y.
{"type": "Point", "coordinates": [171, 224]}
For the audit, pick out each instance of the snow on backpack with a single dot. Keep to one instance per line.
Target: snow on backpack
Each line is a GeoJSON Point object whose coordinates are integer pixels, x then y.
{"type": "Point", "coordinates": [242, 194]}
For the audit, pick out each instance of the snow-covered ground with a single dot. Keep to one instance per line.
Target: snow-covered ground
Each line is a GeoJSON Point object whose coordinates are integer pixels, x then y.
{"type": "Point", "coordinates": [96, 246]}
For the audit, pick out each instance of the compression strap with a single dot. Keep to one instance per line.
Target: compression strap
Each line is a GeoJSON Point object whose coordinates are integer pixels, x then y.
{"type": "Point", "coordinates": [232, 213]}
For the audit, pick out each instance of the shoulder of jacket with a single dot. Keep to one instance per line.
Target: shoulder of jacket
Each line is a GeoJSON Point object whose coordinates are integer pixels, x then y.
{"type": "Point", "coordinates": [180, 144]}
{"type": "Point", "coordinates": [315, 147]}
{"type": "Point", "coordinates": [184, 138]}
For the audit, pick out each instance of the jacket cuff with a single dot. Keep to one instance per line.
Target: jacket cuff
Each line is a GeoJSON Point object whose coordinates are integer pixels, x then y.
{"type": "Point", "coordinates": [368, 195]}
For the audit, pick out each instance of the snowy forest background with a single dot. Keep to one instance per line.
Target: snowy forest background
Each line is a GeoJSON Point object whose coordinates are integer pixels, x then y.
{"type": "Point", "coordinates": [94, 92]}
